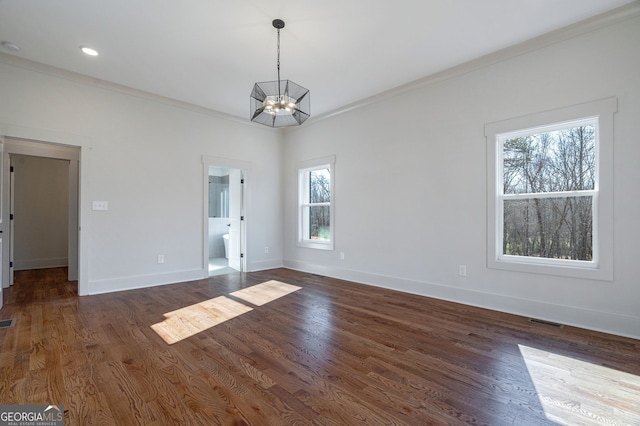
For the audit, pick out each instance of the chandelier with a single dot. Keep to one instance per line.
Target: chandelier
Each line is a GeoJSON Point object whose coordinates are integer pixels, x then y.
{"type": "Point", "coordinates": [279, 103]}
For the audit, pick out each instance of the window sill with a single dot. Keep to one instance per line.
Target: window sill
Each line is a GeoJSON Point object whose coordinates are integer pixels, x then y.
{"type": "Point", "coordinates": [318, 245]}
{"type": "Point", "coordinates": [582, 270]}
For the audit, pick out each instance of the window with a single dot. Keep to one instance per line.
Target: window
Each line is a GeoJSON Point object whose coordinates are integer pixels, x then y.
{"type": "Point", "coordinates": [548, 197]}
{"type": "Point", "coordinates": [551, 198]}
{"type": "Point", "coordinates": [315, 205]}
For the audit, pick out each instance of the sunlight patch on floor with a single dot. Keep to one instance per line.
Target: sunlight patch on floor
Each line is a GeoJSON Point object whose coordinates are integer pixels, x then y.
{"type": "Point", "coordinates": [188, 321]}
{"type": "Point", "coordinates": [264, 293]}
{"type": "Point", "coordinates": [577, 392]}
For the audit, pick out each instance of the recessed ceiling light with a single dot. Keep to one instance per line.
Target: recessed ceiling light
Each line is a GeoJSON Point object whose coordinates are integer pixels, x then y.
{"type": "Point", "coordinates": [10, 46]}
{"type": "Point", "coordinates": [89, 51]}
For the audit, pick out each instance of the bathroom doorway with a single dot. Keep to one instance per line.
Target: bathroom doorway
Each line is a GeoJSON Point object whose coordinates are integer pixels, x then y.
{"type": "Point", "coordinates": [225, 219]}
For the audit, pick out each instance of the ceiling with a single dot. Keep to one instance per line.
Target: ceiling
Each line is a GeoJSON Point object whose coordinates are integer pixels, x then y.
{"type": "Point", "coordinates": [210, 52]}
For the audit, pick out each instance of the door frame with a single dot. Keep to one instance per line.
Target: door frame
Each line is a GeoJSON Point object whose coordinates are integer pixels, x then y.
{"type": "Point", "coordinates": [19, 146]}
{"type": "Point", "coordinates": [244, 167]}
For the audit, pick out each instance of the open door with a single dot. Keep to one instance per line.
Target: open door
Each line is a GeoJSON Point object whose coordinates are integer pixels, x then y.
{"type": "Point", "coordinates": [12, 224]}
{"type": "Point", "coordinates": [236, 219]}
{"type": "Point", "coordinates": [236, 170]}
{"type": "Point", "coordinates": [3, 203]}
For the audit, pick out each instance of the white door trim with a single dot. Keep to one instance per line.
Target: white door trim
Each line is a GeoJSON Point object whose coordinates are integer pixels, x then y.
{"type": "Point", "coordinates": [244, 167]}
{"type": "Point", "coordinates": [18, 146]}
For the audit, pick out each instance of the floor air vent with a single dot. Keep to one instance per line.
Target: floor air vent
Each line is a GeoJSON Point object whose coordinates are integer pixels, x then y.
{"type": "Point", "coordinates": [543, 322]}
{"type": "Point", "coordinates": [7, 323]}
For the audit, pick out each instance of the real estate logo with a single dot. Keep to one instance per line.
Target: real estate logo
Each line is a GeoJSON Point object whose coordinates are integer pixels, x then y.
{"type": "Point", "coordinates": [31, 415]}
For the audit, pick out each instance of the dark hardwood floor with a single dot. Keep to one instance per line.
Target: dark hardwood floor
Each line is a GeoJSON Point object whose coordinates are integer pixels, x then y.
{"type": "Point", "coordinates": [325, 352]}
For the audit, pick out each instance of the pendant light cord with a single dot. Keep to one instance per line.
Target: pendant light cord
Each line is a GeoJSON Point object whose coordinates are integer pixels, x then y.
{"type": "Point", "coordinates": [279, 64]}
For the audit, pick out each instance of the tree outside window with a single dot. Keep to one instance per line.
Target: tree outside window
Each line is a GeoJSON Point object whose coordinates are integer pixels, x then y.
{"type": "Point", "coordinates": [319, 204]}
{"type": "Point", "coordinates": [548, 189]}
{"type": "Point", "coordinates": [315, 206]}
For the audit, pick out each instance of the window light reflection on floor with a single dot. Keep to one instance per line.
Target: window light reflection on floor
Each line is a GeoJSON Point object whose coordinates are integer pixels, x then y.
{"type": "Point", "coordinates": [266, 292]}
{"type": "Point", "coordinates": [188, 321]}
{"type": "Point", "coordinates": [578, 392]}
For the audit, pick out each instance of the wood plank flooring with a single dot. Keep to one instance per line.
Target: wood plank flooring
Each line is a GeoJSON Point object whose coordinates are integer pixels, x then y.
{"type": "Point", "coordinates": [311, 351]}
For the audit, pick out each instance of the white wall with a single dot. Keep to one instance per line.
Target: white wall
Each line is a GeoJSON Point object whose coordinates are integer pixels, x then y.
{"type": "Point", "coordinates": [144, 156]}
{"type": "Point", "coordinates": [410, 173]}
{"type": "Point", "coordinates": [41, 204]}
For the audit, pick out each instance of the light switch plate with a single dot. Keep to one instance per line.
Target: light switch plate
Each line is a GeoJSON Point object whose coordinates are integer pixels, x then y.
{"type": "Point", "coordinates": [100, 205]}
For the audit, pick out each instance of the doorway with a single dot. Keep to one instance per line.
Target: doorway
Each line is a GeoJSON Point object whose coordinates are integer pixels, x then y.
{"type": "Point", "coordinates": [225, 219]}
{"type": "Point", "coordinates": [32, 156]}
{"type": "Point", "coordinates": [40, 211]}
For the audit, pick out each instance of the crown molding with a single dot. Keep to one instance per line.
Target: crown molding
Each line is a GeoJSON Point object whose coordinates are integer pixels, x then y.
{"type": "Point", "coordinates": [85, 80]}
{"type": "Point", "coordinates": [594, 23]}
{"type": "Point", "coordinates": [611, 17]}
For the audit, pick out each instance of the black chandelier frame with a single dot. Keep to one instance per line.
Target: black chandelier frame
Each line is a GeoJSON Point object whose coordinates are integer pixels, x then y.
{"type": "Point", "coordinates": [279, 103]}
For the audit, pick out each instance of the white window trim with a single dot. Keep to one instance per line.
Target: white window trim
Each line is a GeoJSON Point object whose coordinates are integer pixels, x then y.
{"type": "Point", "coordinates": [602, 266]}
{"type": "Point", "coordinates": [301, 169]}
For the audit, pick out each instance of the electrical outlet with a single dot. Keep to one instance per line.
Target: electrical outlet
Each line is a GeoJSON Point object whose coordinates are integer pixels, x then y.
{"type": "Point", "coordinates": [161, 258]}
{"type": "Point", "coordinates": [462, 270]}
{"type": "Point", "coordinates": [341, 255]}
{"type": "Point", "coordinates": [266, 249]}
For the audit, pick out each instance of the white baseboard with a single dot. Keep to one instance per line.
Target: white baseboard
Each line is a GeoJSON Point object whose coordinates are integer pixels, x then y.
{"type": "Point", "coordinates": [263, 265]}
{"type": "Point", "coordinates": [606, 322]}
{"type": "Point", "coordinates": [143, 281]}
{"type": "Point", "coordinates": [26, 264]}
